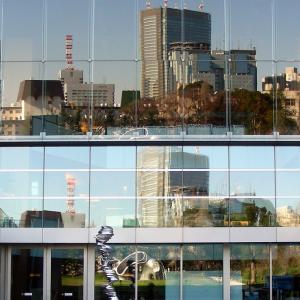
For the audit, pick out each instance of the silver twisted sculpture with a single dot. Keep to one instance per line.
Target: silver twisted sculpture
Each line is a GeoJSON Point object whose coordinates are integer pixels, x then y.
{"type": "Point", "coordinates": [103, 236]}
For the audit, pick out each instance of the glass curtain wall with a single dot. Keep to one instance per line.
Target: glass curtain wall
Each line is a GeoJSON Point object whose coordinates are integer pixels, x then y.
{"type": "Point", "coordinates": [149, 186]}
{"type": "Point", "coordinates": [159, 68]}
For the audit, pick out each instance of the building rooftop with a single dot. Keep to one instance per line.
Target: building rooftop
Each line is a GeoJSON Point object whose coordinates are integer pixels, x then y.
{"type": "Point", "coordinates": [39, 88]}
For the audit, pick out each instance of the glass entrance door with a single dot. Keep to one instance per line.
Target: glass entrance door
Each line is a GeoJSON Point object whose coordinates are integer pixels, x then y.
{"type": "Point", "coordinates": [67, 270]}
{"type": "Point", "coordinates": [27, 273]}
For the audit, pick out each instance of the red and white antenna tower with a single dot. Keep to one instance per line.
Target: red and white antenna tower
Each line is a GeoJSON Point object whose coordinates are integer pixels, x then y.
{"type": "Point", "coordinates": [165, 3]}
{"type": "Point", "coordinates": [148, 4]}
{"type": "Point", "coordinates": [71, 182]}
{"type": "Point", "coordinates": [69, 50]}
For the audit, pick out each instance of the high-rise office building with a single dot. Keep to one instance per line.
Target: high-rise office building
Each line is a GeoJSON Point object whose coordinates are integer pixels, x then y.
{"type": "Point", "coordinates": [81, 94]}
{"type": "Point", "coordinates": [159, 28]}
{"type": "Point", "coordinates": [287, 83]}
{"type": "Point", "coordinates": [190, 62]}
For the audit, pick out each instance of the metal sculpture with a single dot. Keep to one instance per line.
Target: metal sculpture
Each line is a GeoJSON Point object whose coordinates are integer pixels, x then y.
{"type": "Point", "coordinates": [103, 236]}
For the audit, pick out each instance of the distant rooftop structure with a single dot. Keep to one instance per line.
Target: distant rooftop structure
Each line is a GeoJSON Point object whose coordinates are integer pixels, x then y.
{"type": "Point", "coordinates": [40, 88]}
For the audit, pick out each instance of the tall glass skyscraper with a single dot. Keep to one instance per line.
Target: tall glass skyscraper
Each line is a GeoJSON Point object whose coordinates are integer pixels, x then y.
{"type": "Point", "coordinates": [159, 28]}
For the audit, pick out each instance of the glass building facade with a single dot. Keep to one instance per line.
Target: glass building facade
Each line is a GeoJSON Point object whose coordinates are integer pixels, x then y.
{"type": "Point", "coordinates": [177, 123]}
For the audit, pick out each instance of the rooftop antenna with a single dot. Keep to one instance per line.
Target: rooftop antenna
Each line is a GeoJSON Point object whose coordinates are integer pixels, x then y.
{"type": "Point", "coordinates": [251, 44]}
{"type": "Point", "coordinates": [176, 5]}
{"type": "Point", "coordinates": [148, 4]}
{"type": "Point", "coordinates": [185, 5]}
{"type": "Point", "coordinates": [201, 6]}
{"type": "Point", "coordinates": [165, 3]}
{"type": "Point", "coordinates": [69, 50]}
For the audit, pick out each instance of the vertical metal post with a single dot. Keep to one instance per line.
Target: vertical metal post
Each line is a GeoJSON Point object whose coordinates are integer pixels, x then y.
{"type": "Point", "coordinates": [226, 272]}
{"type": "Point", "coordinates": [181, 272]}
{"type": "Point", "coordinates": [271, 270]}
{"type": "Point", "coordinates": [90, 274]}
{"type": "Point", "coordinates": [48, 273]}
{"type": "Point", "coordinates": [136, 275]}
{"type": "Point", "coordinates": [7, 266]}
{"type": "Point", "coordinates": [3, 272]}
{"type": "Point", "coordinates": [45, 273]}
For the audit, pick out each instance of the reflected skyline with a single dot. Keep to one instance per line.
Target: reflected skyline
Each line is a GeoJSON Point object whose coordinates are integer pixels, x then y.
{"type": "Point", "coordinates": [200, 72]}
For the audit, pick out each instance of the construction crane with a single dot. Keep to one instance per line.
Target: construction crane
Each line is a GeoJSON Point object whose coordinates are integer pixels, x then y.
{"type": "Point", "coordinates": [201, 6]}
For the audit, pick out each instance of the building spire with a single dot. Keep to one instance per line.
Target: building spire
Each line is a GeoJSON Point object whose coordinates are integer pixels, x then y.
{"type": "Point", "coordinates": [148, 4]}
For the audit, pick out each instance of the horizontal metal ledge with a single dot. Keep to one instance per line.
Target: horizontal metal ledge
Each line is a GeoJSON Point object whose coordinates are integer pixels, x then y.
{"type": "Point", "coordinates": [177, 235]}
{"type": "Point", "coordinates": [214, 140]}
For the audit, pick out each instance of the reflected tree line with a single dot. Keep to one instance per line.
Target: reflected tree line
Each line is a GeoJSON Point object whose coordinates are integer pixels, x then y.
{"type": "Point", "coordinates": [193, 104]}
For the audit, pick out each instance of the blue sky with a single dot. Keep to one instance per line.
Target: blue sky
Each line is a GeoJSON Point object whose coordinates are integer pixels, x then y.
{"type": "Point", "coordinates": [31, 31]}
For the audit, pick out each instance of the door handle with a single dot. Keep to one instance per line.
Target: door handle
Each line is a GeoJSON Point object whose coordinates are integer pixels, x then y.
{"type": "Point", "coordinates": [26, 294]}
{"type": "Point", "coordinates": [67, 294]}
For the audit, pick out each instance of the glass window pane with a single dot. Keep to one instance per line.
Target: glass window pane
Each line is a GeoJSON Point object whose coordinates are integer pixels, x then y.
{"type": "Point", "coordinates": [251, 108]}
{"type": "Point", "coordinates": [21, 158]}
{"type": "Point", "coordinates": [112, 41]}
{"type": "Point", "coordinates": [202, 272]}
{"type": "Point", "coordinates": [287, 212]}
{"type": "Point", "coordinates": [287, 45]}
{"type": "Point", "coordinates": [124, 266]}
{"type": "Point", "coordinates": [246, 35]}
{"type": "Point", "coordinates": [205, 212]}
{"type": "Point", "coordinates": [66, 158]}
{"type": "Point", "coordinates": [65, 212]}
{"type": "Point", "coordinates": [67, 17]}
{"type": "Point", "coordinates": [22, 167]}
{"type": "Point", "coordinates": [286, 267]}
{"type": "Point", "coordinates": [17, 204]}
{"type": "Point", "coordinates": [159, 183]}
{"type": "Point", "coordinates": [249, 271]}
{"type": "Point", "coordinates": [204, 183]}
{"type": "Point", "coordinates": [251, 157]}
{"type": "Point", "coordinates": [26, 34]}
{"type": "Point", "coordinates": [258, 183]}
{"type": "Point", "coordinates": [159, 212]}
{"type": "Point", "coordinates": [155, 157]}
{"type": "Point", "coordinates": [66, 183]}
{"type": "Point", "coordinates": [287, 157]}
{"type": "Point", "coordinates": [68, 94]}
{"type": "Point", "coordinates": [66, 187]}
{"type": "Point", "coordinates": [113, 157]}
{"type": "Point", "coordinates": [67, 269]}
{"type": "Point", "coordinates": [287, 97]}
{"type": "Point", "coordinates": [205, 157]}
{"type": "Point", "coordinates": [113, 183]}
{"type": "Point", "coordinates": [22, 96]}
{"type": "Point", "coordinates": [27, 273]}
{"type": "Point", "coordinates": [159, 273]}
{"type": "Point", "coordinates": [114, 110]}
{"type": "Point", "coordinates": [252, 212]}
{"type": "Point", "coordinates": [287, 183]}
{"type": "Point", "coordinates": [112, 212]}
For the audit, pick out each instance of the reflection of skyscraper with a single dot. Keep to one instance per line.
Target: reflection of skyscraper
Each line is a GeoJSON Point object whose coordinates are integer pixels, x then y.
{"type": "Point", "coordinates": [161, 191]}
{"type": "Point", "coordinates": [191, 62]}
{"type": "Point", "coordinates": [159, 28]}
